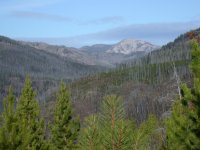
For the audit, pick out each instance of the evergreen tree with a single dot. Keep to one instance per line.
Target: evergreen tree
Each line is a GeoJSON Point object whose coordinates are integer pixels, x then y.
{"type": "Point", "coordinates": [8, 129]}
{"type": "Point", "coordinates": [65, 128]}
{"type": "Point", "coordinates": [90, 138]}
{"type": "Point", "coordinates": [183, 128]}
{"type": "Point", "coordinates": [115, 130]}
{"type": "Point", "coordinates": [107, 130]}
{"type": "Point", "coordinates": [142, 136]}
{"type": "Point", "coordinates": [177, 128]}
{"type": "Point", "coordinates": [29, 122]}
{"type": "Point", "coordinates": [111, 130]}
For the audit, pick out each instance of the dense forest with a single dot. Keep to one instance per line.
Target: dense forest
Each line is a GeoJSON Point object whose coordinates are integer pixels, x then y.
{"type": "Point", "coordinates": [148, 103]}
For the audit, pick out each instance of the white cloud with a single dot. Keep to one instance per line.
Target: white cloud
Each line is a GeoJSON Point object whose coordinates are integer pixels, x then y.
{"type": "Point", "coordinates": [157, 33]}
{"type": "Point", "coordinates": [27, 5]}
{"type": "Point", "coordinates": [39, 15]}
{"type": "Point", "coordinates": [105, 20]}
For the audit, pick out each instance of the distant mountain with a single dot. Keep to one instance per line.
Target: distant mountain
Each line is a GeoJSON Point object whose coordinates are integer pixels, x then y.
{"type": "Point", "coordinates": [117, 53]}
{"type": "Point", "coordinates": [97, 48]}
{"type": "Point", "coordinates": [98, 54]}
{"type": "Point", "coordinates": [130, 46]}
{"type": "Point", "coordinates": [69, 53]}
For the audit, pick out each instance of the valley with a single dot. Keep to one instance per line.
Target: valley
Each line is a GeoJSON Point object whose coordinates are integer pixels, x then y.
{"type": "Point", "coordinates": [99, 75]}
{"type": "Point", "coordinates": [146, 68]}
{"type": "Point", "coordinates": [48, 64]}
{"type": "Point", "coordinates": [146, 77]}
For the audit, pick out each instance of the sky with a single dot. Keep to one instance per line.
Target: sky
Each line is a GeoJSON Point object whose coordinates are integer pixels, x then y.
{"type": "Point", "coordinates": [76, 23]}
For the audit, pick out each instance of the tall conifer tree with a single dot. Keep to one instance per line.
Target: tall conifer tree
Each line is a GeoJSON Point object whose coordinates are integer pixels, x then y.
{"type": "Point", "coordinates": [183, 128]}
{"type": "Point", "coordinates": [114, 128]}
{"type": "Point", "coordinates": [30, 124]}
{"type": "Point", "coordinates": [90, 137]}
{"type": "Point", "coordinates": [8, 130]}
{"type": "Point", "coordinates": [65, 127]}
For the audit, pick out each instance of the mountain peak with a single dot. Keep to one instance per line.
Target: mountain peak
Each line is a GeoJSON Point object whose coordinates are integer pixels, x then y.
{"type": "Point", "coordinates": [128, 46]}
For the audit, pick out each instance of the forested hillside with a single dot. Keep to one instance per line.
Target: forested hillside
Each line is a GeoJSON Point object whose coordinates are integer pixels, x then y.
{"type": "Point", "coordinates": [46, 69]}
{"type": "Point", "coordinates": [69, 53]}
{"type": "Point", "coordinates": [147, 85]}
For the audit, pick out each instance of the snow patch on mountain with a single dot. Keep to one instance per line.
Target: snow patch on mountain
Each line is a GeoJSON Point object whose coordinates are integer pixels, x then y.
{"type": "Point", "coordinates": [129, 46]}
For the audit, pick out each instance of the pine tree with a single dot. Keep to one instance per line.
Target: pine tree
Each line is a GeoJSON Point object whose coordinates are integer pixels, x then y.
{"type": "Point", "coordinates": [111, 130]}
{"type": "Point", "coordinates": [8, 129]}
{"type": "Point", "coordinates": [29, 122]}
{"type": "Point", "coordinates": [90, 138]}
{"type": "Point", "coordinates": [142, 136]}
{"type": "Point", "coordinates": [115, 130]}
{"type": "Point", "coordinates": [107, 130]}
{"type": "Point", "coordinates": [177, 127]}
{"type": "Point", "coordinates": [191, 98]}
{"type": "Point", "coordinates": [65, 127]}
{"type": "Point", "coordinates": [183, 128]}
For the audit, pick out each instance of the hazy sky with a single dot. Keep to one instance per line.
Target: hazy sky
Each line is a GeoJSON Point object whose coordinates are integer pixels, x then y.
{"type": "Point", "coordinates": [86, 22]}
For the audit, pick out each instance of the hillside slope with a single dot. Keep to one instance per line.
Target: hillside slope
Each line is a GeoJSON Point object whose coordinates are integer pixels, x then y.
{"type": "Point", "coordinates": [68, 53]}
{"type": "Point", "coordinates": [46, 69]}
{"type": "Point", "coordinates": [148, 84]}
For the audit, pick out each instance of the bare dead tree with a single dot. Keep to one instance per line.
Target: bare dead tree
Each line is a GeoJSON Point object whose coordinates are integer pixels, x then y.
{"type": "Point", "coordinates": [177, 80]}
